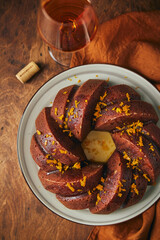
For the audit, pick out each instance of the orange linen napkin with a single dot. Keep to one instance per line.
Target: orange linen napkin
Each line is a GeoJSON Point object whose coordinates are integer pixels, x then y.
{"type": "Point", "coordinates": [132, 41]}
{"type": "Point", "coordinates": [143, 227]}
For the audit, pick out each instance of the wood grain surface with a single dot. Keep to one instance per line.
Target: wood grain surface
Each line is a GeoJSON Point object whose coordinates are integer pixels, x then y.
{"type": "Point", "coordinates": [22, 215]}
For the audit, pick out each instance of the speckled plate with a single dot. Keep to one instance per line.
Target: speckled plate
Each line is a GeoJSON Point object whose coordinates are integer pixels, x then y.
{"type": "Point", "coordinates": [43, 97]}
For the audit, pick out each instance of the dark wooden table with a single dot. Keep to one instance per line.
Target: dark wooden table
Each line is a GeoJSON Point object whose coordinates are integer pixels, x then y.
{"type": "Point", "coordinates": [22, 215]}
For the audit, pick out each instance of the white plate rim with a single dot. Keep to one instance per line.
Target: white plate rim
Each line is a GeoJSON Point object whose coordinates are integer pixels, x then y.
{"type": "Point", "coordinates": [73, 71]}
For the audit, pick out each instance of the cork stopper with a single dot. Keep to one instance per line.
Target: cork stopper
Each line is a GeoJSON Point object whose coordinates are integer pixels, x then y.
{"type": "Point", "coordinates": [27, 72]}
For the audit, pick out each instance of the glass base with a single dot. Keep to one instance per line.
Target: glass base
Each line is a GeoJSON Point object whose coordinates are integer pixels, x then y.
{"type": "Point", "coordinates": [63, 58]}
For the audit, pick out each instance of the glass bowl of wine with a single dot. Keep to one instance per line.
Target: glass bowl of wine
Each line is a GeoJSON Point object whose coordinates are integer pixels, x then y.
{"type": "Point", "coordinates": [66, 26]}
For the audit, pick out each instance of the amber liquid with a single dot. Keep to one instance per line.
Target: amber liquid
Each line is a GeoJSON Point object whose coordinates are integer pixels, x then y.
{"type": "Point", "coordinates": [67, 25]}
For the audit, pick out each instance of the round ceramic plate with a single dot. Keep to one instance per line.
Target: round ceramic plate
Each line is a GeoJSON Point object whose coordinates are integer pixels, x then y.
{"type": "Point", "coordinates": [44, 97]}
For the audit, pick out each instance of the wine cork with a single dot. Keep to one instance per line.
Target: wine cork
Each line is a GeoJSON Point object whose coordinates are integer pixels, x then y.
{"type": "Point", "coordinates": [27, 72]}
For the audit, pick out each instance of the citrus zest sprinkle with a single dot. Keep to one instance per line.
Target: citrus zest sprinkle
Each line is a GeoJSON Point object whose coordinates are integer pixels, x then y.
{"type": "Point", "coordinates": [151, 147]}
{"type": "Point", "coordinates": [128, 97]}
{"type": "Point", "coordinates": [76, 103]}
{"type": "Point", "coordinates": [98, 198]}
{"type": "Point", "coordinates": [56, 111]}
{"type": "Point", "coordinates": [134, 188]}
{"type": "Point", "coordinates": [146, 177]}
{"type": "Point", "coordinates": [83, 181]}
{"type": "Point", "coordinates": [70, 187]}
{"type": "Point", "coordinates": [61, 117]}
{"type": "Point", "coordinates": [102, 180]}
{"type": "Point", "coordinates": [121, 104]}
{"type": "Point", "coordinates": [77, 165]}
{"type": "Point", "coordinates": [102, 97]}
{"type": "Point", "coordinates": [140, 142]}
{"type": "Point", "coordinates": [48, 155]}
{"type": "Point", "coordinates": [59, 166]}
{"type": "Point", "coordinates": [135, 176]}
{"type": "Point", "coordinates": [48, 161]}
{"type": "Point", "coordinates": [63, 151]}
{"type": "Point", "coordinates": [66, 167]}
{"type": "Point", "coordinates": [99, 187]}
{"type": "Point", "coordinates": [38, 132]}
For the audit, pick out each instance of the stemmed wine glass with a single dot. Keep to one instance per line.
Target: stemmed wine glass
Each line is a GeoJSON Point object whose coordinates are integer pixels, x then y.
{"type": "Point", "coordinates": [66, 26]}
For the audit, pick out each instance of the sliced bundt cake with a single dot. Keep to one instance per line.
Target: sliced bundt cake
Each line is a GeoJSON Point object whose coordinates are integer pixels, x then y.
{"type": "Point", "coordinates": [57, 146]}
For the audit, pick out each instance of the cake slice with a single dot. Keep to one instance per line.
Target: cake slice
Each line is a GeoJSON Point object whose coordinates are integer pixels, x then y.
{"type": "Point", "coordinates": [82, 107]}
{"type": "Point", "coordinates": [54, 141]}
{"type": "Point", "coordinates": [79, 202]}
{"type": "Point", "coordinates": [137, 190]}
{"type": "Point", "coordinates": [73, 181]}
{"type": "Point", "coordinates": [116, 186]}
{"type": "Point", "coordinates": [140, 154]}
{"type": "Point", "coordinates": [61, 102]}
{"type": "Point", "coordinates": [41, 157]}
{"type": "Point", "coordinates": [152, 132]}
{"type": "Point", "coordinates": [119, 93]}
{"type": "Point", "coordinates": [125, 113]}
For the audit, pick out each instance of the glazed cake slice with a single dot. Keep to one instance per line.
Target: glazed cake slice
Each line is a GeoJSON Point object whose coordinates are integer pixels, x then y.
{"type": "Point", "coordinates": [140, 154]}
{"type": "Point", "coordinates": [61, 102]}
{"type": "Point", "coordinates": [40, 157]}
{"type": "Point", "coordinates": [73, 181]}
{"type": "Point", "coordinates": [119, 93]}
{"type": "Point", "coordinates": [152, 132]}
{"type": "Point", "coordinates": [52, 139]}
{"type": "Point", "coordinates": [137, 190]}
{"type": "Point", "coordinates": [79, 202]}
{"type": "Point", "coordinates": [116, 186]}
{"type": "Point", "coordinates": [82, 107]}
{"type": "Point", "coordinates": [119, 114]}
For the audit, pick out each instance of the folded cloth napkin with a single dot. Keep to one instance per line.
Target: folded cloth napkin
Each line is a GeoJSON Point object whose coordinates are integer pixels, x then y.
{"type": "Point", "coordinates": [142, 227]}
{"type": "Point", "coordinates": [132, 41]}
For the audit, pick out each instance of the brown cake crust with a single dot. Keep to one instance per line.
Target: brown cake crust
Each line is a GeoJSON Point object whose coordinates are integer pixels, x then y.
{"type": "Point", "coordinates": [39, 156]}
{"type": "Point", "coordinates": [115, 115]}
{"type": "Point", "coordinates": [61, 101]}
{"type": "Point", "coordinates": [79, 202]}
{"type": "Point", "coordinates": [73, 181]}
{"type": "Point", "coordinates": [116, 186]}
{"type": "Point", "coordinates": [137, 190]}
{"type": "Point", "coordinates": [54, 141]}
{"type": "Point", "coordinates": [121, 92]}
{"type": "Point", "coordinates": [83, 105]}
{"type": "Point", "coordinates": [147, 160]}
{"type": "Point", "coordinates": [152, 132]}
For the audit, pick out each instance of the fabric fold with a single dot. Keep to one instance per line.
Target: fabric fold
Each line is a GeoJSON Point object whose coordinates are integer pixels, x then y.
{"type": "Point", "coordinates": [131, 40]}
